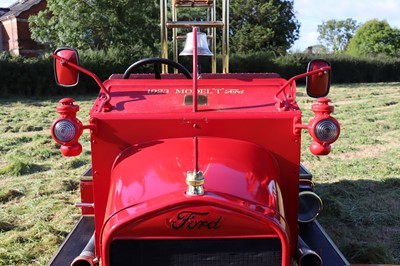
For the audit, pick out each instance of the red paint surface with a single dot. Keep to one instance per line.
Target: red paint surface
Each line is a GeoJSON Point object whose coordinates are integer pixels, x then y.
{"type": "Point", "coordinates": [245, 138]}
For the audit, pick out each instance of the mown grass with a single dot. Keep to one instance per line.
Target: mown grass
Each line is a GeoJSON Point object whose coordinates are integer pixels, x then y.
{"type": "Point", "coordinates": [38, 186]}
{"type": "Point", "coordinates": [359, 181]}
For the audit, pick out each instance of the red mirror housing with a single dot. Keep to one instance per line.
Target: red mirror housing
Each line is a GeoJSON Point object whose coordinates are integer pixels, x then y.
{"type": "Point", "coordinates": [66, 75]}
{"type": "Point", "coordinates": [318, 84]}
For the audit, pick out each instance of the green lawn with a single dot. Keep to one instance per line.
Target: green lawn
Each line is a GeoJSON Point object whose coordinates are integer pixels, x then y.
{"type": "Point", "coordinates": [359, 181]}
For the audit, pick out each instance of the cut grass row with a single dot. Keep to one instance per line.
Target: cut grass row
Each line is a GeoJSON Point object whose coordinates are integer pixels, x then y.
{"type": "Point", "coordinates": [38, 187]}
{"type": "Point", "coordinates": [359, 181]}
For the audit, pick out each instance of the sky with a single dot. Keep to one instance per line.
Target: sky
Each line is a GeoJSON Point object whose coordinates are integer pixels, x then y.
{"type": "Point", "coordinates": [6, 3]}
{"type": "Point", "coordinates": [311, 13]}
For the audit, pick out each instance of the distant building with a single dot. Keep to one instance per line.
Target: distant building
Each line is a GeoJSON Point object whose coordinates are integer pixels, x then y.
{"type": "Point", "coordinates": [15, 36]}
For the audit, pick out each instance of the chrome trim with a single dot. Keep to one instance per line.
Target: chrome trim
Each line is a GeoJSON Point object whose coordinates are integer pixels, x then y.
{"type": "Point", "coordinates": [313, 216]}
{"type": "Point", "coordinates": [86, 178]}
{"type": "Point", "coordinates": [307, 256]}
{"type": "Point", "coordinates": [87, 256]}
{"type": "Point", "coordinates": [84, 205]}
{"type": "Point", "coordinates": [195, 181]}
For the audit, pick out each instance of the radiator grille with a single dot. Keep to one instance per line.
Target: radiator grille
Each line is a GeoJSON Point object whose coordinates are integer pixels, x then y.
{"type": "Point", "coordinates": [221, 252]}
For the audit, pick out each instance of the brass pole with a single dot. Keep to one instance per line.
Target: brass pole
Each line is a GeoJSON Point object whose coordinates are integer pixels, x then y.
{"type": "Point", "coordinates": [164, 36]}
{"type": "Point", "coordinates": [214, 40]}
{"type": "Point", "coordinates": [225, 36]}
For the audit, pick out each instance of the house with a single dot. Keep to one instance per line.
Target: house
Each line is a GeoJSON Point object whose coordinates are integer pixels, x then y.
{"type": "Point", "coordinates": [15, 36]}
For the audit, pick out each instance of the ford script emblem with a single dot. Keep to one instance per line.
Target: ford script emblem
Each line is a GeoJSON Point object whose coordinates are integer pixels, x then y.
{"type": "Point", "coordinates": [195, 220]}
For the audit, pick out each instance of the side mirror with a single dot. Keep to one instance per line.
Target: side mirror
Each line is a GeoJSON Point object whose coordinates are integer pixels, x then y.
{"type": "Point", "coordinates": [319, 83]}
{"type": "Point", "coordinates": [66, 75]}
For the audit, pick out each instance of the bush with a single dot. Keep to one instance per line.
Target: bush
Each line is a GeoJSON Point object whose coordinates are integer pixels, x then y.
{"type": "Point", "coordinates": [27, 77]}
{"type": "Point", "coordinates": [34, 77]}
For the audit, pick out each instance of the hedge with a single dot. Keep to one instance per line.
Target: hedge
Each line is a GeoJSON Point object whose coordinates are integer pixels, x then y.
{"type": "Point", "coordinates": [34, 77]}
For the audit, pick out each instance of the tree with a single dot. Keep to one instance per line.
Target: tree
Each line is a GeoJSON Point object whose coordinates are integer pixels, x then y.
{"type": "Point", "coordinates": [100, 24]}
{"type": "Point", "coordinates": [255, 25]}
{"type": "Point", "coordinates": [336, 34]}
{"type": "Point", "coordinates": [262, 25]}
{"type": "Point", "coordinates": [375, 37]}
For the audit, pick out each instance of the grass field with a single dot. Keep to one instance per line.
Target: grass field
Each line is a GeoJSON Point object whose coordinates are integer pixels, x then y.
{"type": "Point", "coordinates": [359, 181]}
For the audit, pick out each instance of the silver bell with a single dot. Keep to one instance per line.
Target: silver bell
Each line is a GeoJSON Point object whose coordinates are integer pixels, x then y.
{"type": "Point", "coordinates": [202, 45]}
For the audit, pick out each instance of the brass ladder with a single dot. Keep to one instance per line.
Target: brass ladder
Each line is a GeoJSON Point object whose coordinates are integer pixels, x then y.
{"type": "Point", "coordinates": [211, 24]}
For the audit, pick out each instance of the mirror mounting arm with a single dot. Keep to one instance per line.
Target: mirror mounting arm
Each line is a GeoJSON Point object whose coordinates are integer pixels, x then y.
{"type": "Point", "coordinates": [107, 99]}
{"type": "Point", "coordinates": [291, 80]}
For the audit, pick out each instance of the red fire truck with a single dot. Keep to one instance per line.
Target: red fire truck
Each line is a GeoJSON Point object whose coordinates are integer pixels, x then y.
{"type": "Point", "coordinates": [195, 168]}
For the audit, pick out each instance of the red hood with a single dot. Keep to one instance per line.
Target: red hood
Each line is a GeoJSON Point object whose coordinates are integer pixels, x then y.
{"type": "Point", "coordinates": [158, 170]}
{"type": "Point", "coordinates": [147, 192]}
